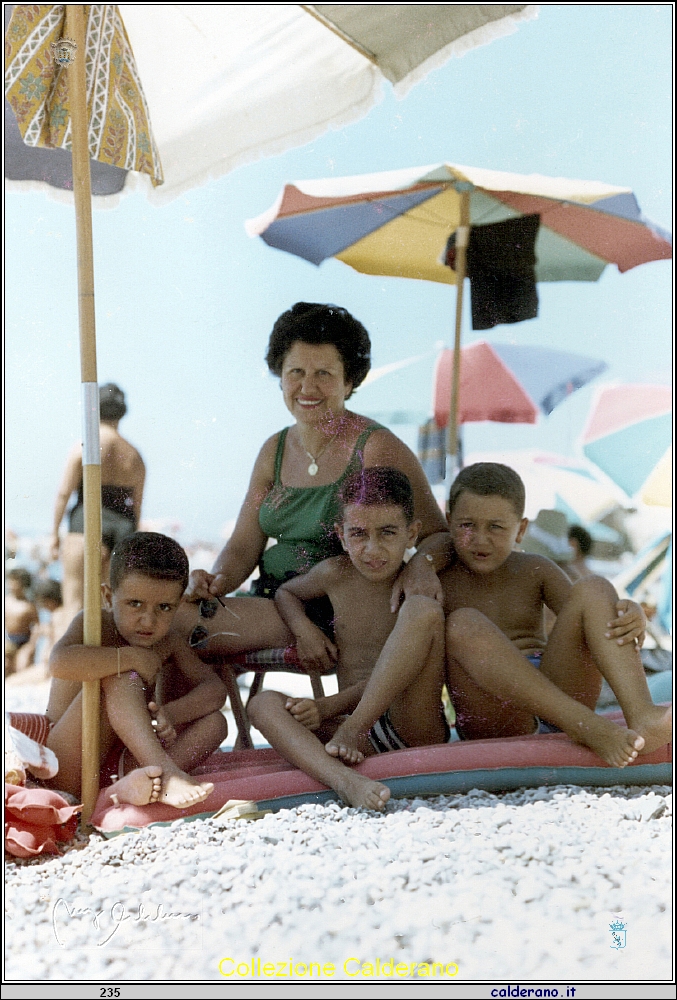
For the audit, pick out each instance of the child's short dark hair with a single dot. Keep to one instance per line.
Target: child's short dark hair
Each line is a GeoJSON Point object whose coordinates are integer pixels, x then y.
{"type": "Point", "coordinates": [488, 479]}
{"type": "Point", "coordinates": [583, 537]}
{"type": "Point", "coordinates": [151, 554]}
{"type": "Point", "coordinates": [379, 486]}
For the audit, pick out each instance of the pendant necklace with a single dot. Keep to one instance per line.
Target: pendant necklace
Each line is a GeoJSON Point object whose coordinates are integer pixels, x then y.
{"type": "Point", "coordinates": [313, 467]}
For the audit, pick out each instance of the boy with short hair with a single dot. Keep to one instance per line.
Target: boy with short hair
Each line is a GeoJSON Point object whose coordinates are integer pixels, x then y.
{"type": "Point", "coordinates": [504, 676]}
{"type": "Point", "coordinates": [390, 666]}
{"type": "Point", "coordinates": [148, 575]}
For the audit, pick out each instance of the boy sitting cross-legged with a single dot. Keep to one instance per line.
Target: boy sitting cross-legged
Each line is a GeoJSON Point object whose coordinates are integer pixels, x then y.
{"type": "Point", "coordinates": [148, 575]}
{"type": "Point", "coordinates": [390, 666]}
{"type": "Point", "coordinates": [503, 675]}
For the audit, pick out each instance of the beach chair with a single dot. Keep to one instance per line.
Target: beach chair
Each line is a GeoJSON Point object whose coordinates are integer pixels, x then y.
{"type": "Point", "coordinates": [260, 662]}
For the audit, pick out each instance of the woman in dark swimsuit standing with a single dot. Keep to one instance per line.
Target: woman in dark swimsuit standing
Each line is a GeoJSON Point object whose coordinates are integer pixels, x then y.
{"type": "Point", "coordinates": [123, 475]}
{"type": "Point", "coordinates": [321, 355]}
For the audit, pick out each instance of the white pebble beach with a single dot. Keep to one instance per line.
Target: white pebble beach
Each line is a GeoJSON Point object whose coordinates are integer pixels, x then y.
{"type": "Point", "coordinates": [521, 885]}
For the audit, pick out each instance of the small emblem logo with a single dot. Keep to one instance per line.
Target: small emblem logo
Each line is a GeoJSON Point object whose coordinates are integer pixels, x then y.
{"type": "Point", "coordinates": [618, 933]}
{"type": "Point", "coordinates": [64, 51]}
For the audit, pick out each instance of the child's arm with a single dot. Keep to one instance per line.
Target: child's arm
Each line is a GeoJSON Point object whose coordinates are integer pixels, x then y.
{"type": "Point", "coordinates": [315, 650]}
{"type": "Point", "coordinates": [208, 692]}
{"type": "Point", "coordinates": [71, 660]}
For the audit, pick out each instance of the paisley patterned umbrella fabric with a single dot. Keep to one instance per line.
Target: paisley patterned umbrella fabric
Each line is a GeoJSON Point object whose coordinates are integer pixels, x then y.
{"type": "Point", "coordinates": [36, 87]}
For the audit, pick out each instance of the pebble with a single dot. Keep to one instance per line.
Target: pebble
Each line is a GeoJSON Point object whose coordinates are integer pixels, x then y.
{"type": "Point", "coordinates": [523, 884]}
{"type": "Point", "coordinates": [516, 886]}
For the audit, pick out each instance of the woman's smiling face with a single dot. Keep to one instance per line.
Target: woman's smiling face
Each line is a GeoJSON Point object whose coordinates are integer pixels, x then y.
{"type": "Point", "coordinates": [313, 382]}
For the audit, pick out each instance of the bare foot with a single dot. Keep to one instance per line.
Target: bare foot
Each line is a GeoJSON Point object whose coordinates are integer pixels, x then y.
{"type": "Point", "coordinates": [180, 791]}
{"type": "Point", "coordinates": [139, 788]}
{"type": "Point", "coordinates": [655, 725]}
{"type": "Point", "coordinates": [617, 746]}
{"type": "Point", "coordinates": [357, 790]}
{"type": "Point", "coordinates": [344, 744]}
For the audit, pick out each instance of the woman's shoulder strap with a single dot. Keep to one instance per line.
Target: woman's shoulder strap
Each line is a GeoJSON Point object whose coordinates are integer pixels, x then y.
{"type": "Point", "coordinates": [357, 458]}
{"type": "Point", "coordinates": [279, 453]}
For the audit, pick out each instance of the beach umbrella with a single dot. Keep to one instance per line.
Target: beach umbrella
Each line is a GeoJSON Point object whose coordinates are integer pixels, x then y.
{"type": "Point", "coordinates": [71, 79]}
{"type": "Point", "coordinates": [509, 383]}
{"type": "Point", "coordinates": [227, 84]}
{"type": "Point", "coordinates": [438, 223]}
{"type": "Point", "coordinates": [629, 436]}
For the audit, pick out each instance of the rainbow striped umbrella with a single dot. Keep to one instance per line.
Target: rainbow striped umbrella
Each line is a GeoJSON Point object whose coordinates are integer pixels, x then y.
{"type": "Point", "coordinates": [400, 222]}
{"type": "Point", "coordinates": [629, 437]}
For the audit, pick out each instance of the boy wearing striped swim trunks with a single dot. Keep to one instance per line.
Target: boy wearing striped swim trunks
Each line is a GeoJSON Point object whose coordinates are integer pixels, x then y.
{"type": "Point", "coordinates": [390, 665]}
{"type": "Point", "coordinates": [504, 675]}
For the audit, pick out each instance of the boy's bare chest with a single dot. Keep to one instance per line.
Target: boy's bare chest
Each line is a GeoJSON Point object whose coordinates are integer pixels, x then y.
{"type": "Point", "coordinates": [513, 602]}
{"type": "Point", "coordinates": [362, 617]}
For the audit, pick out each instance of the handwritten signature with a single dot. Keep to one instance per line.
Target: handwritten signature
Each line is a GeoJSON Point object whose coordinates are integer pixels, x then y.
{"type": "Point", "coordinates": [115, 915]}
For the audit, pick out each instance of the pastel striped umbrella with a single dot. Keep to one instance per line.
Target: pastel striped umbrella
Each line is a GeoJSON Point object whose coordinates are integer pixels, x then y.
{"type": "Point", "coordinates": [509, 383]}
{"type": "Point", "coordinates": [629, 437]}
{"type": "Point", "coordinates": [400, 222]}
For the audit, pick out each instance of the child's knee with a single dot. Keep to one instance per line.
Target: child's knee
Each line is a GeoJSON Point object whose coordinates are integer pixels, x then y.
{"type": "Point", "coordinates": [465, 623]}
{"type": "Point", "coordinates": [220, 726]}
{"type": "Point", "coordinates": [594, 588]}
{"type": "Point", "coordinates": [261, 704]}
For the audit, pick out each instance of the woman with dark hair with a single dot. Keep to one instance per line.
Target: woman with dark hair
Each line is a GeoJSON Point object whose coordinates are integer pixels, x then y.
{"type": "Point", "coordinates": [123, 475]}
{"type": "Point", "coordinates": [321, 354]}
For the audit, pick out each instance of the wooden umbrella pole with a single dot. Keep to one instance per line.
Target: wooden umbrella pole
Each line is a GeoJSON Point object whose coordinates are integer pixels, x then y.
{"type": "Point", "coordinates": [462, 237]}
{"type": "Point", "coordinates": [91, 455]}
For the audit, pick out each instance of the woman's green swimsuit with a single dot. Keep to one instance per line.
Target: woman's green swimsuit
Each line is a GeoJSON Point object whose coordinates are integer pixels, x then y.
{"type": "Point", "coordinates": [302, 519]}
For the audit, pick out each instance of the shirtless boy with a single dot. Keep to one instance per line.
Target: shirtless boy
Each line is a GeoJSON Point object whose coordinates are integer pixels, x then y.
{"type": "Point", "coordinates": [503, 675]}
{"type": "Point", "coordinates": [148, 574]}
{"type": "Point", "coordinates": [390, 666]}
{"type": "Point", "coordinates": [21, 616]}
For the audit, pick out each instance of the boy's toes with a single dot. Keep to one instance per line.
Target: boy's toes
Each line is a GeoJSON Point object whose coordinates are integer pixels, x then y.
{"type": "Point", "coordinates": [331, 749]}
{"type": "Point", "coordinates": [378, 796]}
{"type": "Point", "coordinates": [182, 792]}
{"type": "Point", "coordinates": [140, 787]}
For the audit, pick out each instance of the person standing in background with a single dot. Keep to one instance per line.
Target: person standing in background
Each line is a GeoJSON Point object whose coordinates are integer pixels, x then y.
{"type": "Point", "coordinates": [123, 476]}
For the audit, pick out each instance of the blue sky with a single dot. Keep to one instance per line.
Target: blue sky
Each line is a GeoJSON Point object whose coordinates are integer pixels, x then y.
{"type": "Point", "coordinates": [185, 300]}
